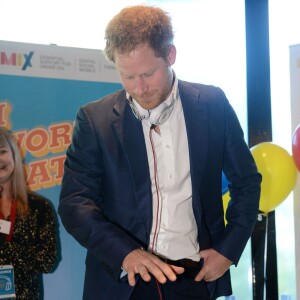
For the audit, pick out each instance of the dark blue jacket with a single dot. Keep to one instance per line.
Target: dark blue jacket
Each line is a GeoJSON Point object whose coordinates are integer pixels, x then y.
{"type": "Point", "coordinates": [106, 198]}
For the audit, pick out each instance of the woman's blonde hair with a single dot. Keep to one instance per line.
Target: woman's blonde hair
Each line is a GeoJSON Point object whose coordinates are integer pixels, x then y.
{"type": "Point", "coordinates": [18, 182]}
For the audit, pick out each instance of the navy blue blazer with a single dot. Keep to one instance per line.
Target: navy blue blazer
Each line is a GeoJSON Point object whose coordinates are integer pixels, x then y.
{"type": "Point", "coordinates": [106, 199]}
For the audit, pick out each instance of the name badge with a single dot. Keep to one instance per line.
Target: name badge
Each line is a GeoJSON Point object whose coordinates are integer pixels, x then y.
{"type": "Point", "coordinates": [5, 226]}
{"type": "Point", "coordinates": [7, 283]}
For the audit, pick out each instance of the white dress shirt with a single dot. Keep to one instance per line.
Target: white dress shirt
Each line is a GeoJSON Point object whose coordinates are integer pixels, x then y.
{"type": "Point", "coordinates": [174, 231]}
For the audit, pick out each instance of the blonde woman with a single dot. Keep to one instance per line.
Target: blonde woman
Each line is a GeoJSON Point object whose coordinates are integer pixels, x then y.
{"type": "Point", "coordinates": [30, 244]}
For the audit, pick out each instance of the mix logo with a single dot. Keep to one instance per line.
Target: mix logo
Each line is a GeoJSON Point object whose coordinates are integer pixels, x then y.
{"type": "Point", "coordinates": [16, 59]}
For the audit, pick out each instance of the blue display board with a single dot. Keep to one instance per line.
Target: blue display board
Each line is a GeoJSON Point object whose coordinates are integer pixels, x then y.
{"type": "Point", "coordinates": [41, 89]}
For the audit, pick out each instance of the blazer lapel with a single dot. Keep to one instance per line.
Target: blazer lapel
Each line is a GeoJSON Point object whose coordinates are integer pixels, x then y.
{"type": "Point", "coordinates": [130, 134]}
{"type": "Point", "coordinates": [196, 119]}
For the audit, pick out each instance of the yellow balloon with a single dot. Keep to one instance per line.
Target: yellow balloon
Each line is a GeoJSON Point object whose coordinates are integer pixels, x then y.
{"type": "Point", "coordinates": [279, 174]}
{"type": "Point", "coordinates": [226, 199]}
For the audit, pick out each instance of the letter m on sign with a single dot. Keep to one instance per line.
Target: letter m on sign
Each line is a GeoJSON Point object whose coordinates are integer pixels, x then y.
{"type": "Point", "coordinates": [12, 60]}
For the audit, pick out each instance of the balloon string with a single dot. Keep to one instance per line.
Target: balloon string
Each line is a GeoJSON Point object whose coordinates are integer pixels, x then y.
{"type": "Point", "coordinates": [265, 254]}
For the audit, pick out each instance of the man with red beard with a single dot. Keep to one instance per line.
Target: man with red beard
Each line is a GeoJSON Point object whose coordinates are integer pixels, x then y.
{"type": "Point", "coordinates": [142, 186]}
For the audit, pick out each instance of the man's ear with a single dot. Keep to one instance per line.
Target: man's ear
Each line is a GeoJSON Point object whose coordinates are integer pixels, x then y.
{"type": "Point", "coordinates": [172, 55]}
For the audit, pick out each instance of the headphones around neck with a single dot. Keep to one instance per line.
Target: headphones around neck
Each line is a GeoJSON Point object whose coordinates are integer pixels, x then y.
{"type": "Point", "coordinates": [143, 114]}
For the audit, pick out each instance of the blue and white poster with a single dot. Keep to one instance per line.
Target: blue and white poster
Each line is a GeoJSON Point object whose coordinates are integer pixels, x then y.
{"type": "Point", "coordinates": [41, 89]}
{"type": "Point", "coordinates": [295, 117]}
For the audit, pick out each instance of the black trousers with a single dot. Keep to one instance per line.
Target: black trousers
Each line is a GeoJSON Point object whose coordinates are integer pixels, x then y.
{"type": "Point", "coordinates": [184, 288]}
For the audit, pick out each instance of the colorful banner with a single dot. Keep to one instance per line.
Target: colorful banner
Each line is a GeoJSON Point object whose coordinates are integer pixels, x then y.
{"type": "Point", "coordinates": [41, 89]}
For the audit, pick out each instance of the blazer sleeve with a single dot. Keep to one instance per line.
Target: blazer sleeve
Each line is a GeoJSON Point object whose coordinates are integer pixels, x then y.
{"type": "Point", "coordinates": [81, 199]}
{"type": "Point", "coordinates": [244, 188]}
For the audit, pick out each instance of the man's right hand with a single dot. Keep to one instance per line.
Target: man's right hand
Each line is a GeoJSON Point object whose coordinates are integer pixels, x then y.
{"type": "Point", "coordinates": [144, 263]}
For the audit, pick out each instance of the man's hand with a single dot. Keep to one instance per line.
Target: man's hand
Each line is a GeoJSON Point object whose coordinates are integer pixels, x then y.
{"type": "Point", "coordinates": [144, 263]}
{"type": "Point", "coordinates": [214, 265]}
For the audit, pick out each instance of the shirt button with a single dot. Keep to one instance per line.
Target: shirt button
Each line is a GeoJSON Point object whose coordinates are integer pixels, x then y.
{"type": "Point", "coordinates": [170, 176]}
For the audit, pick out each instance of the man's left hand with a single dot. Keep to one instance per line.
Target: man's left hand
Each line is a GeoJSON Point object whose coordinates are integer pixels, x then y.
{"type": "Point", "coordinates": [214, 265]}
